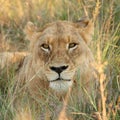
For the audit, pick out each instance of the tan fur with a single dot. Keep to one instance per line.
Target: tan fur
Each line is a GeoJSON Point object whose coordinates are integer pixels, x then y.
{"type": "Point", "coordinates": [9, 58]}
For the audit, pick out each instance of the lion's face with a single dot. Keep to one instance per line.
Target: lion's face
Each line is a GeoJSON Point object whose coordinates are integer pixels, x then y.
{"type": "Point", "coordinates": [60, 49]}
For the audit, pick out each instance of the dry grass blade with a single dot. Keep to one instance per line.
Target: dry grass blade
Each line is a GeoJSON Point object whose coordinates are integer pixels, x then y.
{"type": "Point", "coordinates": [100, 67]}
{"type": "Point", "coordinates": [97, 10]}
{"type": "Point", "coordinates": [24, 115]}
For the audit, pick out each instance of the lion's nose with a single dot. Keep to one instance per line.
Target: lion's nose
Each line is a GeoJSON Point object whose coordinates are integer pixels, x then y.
{"type": "Point", "coordinates": [59, 69]}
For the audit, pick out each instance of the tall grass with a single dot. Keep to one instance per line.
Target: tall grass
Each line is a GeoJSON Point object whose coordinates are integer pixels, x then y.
{"type": "Point", "coordinates": [105, 46]}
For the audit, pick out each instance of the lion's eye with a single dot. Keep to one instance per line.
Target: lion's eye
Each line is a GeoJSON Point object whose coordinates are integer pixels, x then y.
{"type": "Point", "coordinates": [45, 47]}
{"type": "Point", "coordinates": [72, 45]}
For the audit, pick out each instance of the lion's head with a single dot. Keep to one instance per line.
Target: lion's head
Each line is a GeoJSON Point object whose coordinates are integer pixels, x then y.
{"type": "Point", "coordinates": [59, 50]}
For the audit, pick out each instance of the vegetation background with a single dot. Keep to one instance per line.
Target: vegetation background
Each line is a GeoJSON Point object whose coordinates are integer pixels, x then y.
{"type": "Point", "coordinates": [14, 14]}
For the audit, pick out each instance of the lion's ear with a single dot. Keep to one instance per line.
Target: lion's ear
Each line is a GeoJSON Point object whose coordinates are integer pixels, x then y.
{"type": "Point", "coordinates": [30, 30]}
{"type": "Point", "coordinates": [31, 34]}
{"type": "Point", "coordinates": [86, 28]}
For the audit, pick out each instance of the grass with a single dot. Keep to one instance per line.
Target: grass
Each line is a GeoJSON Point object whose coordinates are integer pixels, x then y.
{"type": "Point", "coordinates": [105, 13]}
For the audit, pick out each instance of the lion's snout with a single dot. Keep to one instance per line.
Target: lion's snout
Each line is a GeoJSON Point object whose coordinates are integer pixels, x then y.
{"type": "Point", "coordinates": [59, 69]}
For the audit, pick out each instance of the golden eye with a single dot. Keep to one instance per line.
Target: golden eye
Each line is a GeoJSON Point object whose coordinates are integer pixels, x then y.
{"type": "Point", "coordinates": [45, 47]}
{"type": "Point", "coordinates": [72, 45]}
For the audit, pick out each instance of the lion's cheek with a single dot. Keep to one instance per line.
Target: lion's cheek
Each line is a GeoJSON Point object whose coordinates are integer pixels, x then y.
{"type": "Point", "coordinates": [78, 60]}
{"type": "Point", "coordinates": [40, 56]}
{"type": "Point", "coordinates": [77, 56]}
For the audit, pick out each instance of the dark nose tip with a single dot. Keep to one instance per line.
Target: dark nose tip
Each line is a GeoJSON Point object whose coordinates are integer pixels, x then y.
{"type": "Point", "coordinates": [58, 69]}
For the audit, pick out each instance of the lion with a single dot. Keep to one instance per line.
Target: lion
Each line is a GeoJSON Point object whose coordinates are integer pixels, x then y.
{"type": "Point", "coordinates": [59, 55]}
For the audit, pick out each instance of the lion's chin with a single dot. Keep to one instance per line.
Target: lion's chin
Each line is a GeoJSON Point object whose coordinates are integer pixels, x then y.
{"type": "Point", "coordinates": [61, 85]}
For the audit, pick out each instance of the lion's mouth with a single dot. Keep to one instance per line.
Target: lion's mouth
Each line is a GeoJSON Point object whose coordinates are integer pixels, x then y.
{"type": "Point", "coordinates": [60, 79]}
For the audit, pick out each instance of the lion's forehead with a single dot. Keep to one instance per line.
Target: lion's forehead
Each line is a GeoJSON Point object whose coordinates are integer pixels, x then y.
{"type": "Point", "coordinates": [50, 34]}
{"type": "Point", "coordinates": [60, 28]}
